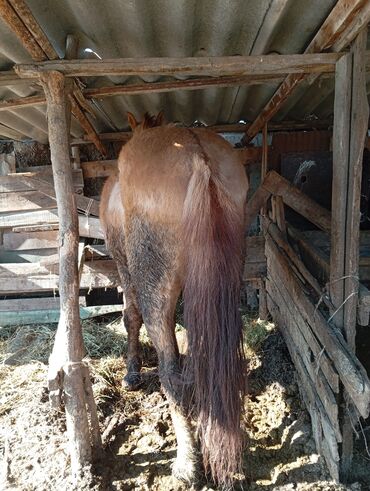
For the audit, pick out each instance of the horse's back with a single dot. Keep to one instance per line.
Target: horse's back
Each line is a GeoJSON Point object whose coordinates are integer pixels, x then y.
{"type": "Point", "coordinates": [156, 167]}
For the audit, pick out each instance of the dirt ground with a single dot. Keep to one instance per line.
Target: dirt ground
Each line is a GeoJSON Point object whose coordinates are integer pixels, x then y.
{"type": "Point", "coordinates": [137, 431]}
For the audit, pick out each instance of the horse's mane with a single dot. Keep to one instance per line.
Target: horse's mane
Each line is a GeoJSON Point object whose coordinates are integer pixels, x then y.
{"type": "Point", "coordinates": [149, 121]}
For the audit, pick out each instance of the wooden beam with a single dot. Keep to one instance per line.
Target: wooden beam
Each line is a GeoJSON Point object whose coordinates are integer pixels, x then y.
{"type": "Point", "coordinates": [65, 373]}
{"type": "Point", "coordinates": [14, 22]}
{"type": "Point", "coordinates": [9, 78]}
{"type": "Point", "coordinates": [339, 20]}
{"type": "Point", "coordinates": [174, 85]}
{"type": "Point", "coordinates": [124, 136]}
{"type": "Point", "coordinates": [26, 16]}
{"type": "Point", "coordinates": [22, 22]}
{"type": "Point", "coordinates": [359, 119]}
{"type": "Point", "coordinates": [194, 66]}
{"type": "Point", "coordinates": [351, 113]}
{"type": "Point", "coordinates": [298, 201]}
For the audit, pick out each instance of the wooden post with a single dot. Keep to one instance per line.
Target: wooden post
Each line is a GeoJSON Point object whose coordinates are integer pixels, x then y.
{"type": "Point", "coordinates": [351, 115]}
{"type": "Point", "coordinates": [66, 369]}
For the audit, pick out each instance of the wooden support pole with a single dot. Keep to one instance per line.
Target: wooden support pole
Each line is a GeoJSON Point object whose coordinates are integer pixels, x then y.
{"type": "Point", "coordinates": [66, 369]}
{"type": "Point", "coordinates": [351, 113]}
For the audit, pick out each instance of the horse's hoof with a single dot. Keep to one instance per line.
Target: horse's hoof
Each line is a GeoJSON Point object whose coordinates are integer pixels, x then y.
{"type": "Point", "coordinates": [132, 381]}
{"type": "Point", "coordinates": [184, 471]}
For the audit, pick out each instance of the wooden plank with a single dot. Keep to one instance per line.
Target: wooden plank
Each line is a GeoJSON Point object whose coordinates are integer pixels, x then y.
{"type": "Point", "coordinates": [351, 114]}
{"type": "Point", "coordinates": [316, 260]}
{"type": "Point", "coordinates": [31, 240]}
{"type": "Point", "coordinates": [278, 237]}
{"type": "Point", "coordinates": [335, 26]}
{"type": "Point", "coordinates": [310, 391]}
{"type": "Point", "coordinates": [359, 122]}
{"type": "Point", "coordinates": [351, 372]}
{"type": "Point", "coordinates": [363, 311]}
{"type": "Point", "coordinates": [253, 271]}
{"type": "Point", "coordinates": [36, 228]}
{"type": "Point", "coordinates": [51, 316]}
{"type": "Point", "coordinates": [88, 226]}
{"type": "Point", "coordinates": [98, 168]}
{"type": "Point", "coordinates": [298, 201]}
{"type": "Point", "coordinates": [342, 110]}
{"type": "Point", "coordinates": [9, 220]}
{"type": "Point", "coordinates": [321, 359]}
{"type": "Point", "coordinates": [308, 333]}
{"type": "Point", "coordinates": [10, 184]}
{"type": "Point", "coordinates": [255, 249]}
{"type": "Point", "coordinates": [255, 203]}
{"type": "Point", "coordinates": [28, 256]}
{"type": "Point", "coordinates": [25, 200]}
{"type": "Point", "coordinates": [33, 277]}
{"type": "Point", "coordinates": [38, 303]}
{"type": "Point", "coordinates": [201, 66]}
{"type": "Point", "coordinates": [84, 204]}
{"type": "Point", "coordinates": [316, 376]}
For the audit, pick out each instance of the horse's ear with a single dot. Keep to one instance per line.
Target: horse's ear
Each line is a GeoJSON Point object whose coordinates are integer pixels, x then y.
{"type": "Point", "coordinates": [131, 120]}
{"type": "Point", "coordinates": [159, 120]}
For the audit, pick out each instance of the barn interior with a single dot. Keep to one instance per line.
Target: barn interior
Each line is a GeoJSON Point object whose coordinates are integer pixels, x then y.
{"type": "Point", "coordinates": [286, 82]}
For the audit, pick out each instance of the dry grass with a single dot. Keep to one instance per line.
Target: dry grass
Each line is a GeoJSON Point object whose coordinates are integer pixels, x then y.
{"type": "Point", "coordinates": [255, 331]}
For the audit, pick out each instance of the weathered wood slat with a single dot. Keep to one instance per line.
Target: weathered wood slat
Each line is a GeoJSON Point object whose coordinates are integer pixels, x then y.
{"type": "Point", "coordinates": [14, 241]}
{"type": "Point", "coordinates": [33, 277]}
{"type": "Point", "coordinates": [278, 237]}
{"type": "Point", "coordinates": [98, 168]}
{"type": "Point", "coordinates": [351, 372]}
{"type": "Point", "coordinates": [25, 200]}
{"type": "Point", "coordinates": [310, 392]}
{"type": "Point", "coordinates": [39, 303]}
{"type": "Point", "coordinates": [51, 316]}
{"type": "Point", "coordinates": [321, 359]}
{"type": "Point", "coordinates": [290, 328]}
{"type": "Point", "coordinates": [10, 184]}
{"type": "Point", "coordinates": [298, 201]}
{"type": "Point", "coordinates": [84, 204]}
{"type": "Point", "coordinates": [88, 226]}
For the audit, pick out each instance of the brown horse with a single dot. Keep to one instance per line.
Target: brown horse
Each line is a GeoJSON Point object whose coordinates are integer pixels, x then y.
{"type": "Point", "coordinates": [111, 219]}
{"type": "Point", "coordinates": [183, 194]}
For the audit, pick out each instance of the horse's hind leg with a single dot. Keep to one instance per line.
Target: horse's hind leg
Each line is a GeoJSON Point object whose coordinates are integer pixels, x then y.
{"type": "Point", "coordinates": [161, 329]}
{"type": "Point", "coordinates": [152, 261]}
{"type": "Point", "coordinates": [132, 321]}
{"type": "Point", "coordinates": [132, 318]}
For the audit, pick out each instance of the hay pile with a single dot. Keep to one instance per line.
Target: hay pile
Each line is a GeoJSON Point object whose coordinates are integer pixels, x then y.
{"type": "Point", "coordinates": [136, 426]}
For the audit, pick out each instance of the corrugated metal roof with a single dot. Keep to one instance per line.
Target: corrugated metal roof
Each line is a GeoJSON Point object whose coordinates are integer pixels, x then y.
{"type": "Point", "coordinates": [144, 28]}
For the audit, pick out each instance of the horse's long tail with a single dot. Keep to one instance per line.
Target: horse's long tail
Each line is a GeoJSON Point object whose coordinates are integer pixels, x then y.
{"type": "Point", "coordinates": [214, 241]}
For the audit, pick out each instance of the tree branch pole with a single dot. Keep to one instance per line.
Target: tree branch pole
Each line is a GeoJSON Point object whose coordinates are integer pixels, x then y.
{"type": "Point", "coordinates": [66, 369]}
